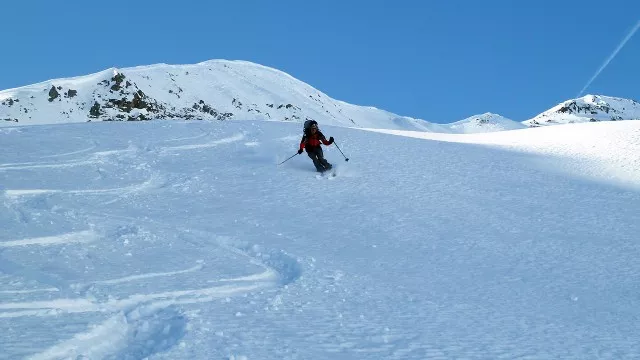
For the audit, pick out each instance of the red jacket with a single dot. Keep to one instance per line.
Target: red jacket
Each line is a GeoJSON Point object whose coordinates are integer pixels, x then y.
{"type": "Point", "coordinates": [313, 140]}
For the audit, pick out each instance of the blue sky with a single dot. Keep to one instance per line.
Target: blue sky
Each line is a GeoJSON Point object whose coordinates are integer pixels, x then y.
{"type": "Point", "coordinates": [436, 60]}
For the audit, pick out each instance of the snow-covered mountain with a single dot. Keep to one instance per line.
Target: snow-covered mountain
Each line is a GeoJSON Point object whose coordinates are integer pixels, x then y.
{"type": "Point", "coordinates": [241, 90]}
{"type": "Point", "coordinates": [215, 89]}
{"type": "Point", "coordinates": [487, 122]}
{"type": "Point", "coordinates": [589, 108]}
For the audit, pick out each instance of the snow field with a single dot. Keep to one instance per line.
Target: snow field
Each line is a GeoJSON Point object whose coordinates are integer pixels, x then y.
{"type": "Point", "coordinates": [185, 240]}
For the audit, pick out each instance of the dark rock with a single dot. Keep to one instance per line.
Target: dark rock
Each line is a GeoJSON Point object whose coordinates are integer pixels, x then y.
{"type": "Point", "coordinates": [95, 111]}
{"type": "Point", "coordinates": [122, 104]}
{"type": "Point", "coordinates": [118, 79]}
{"type": "Point", "coordinates": [53, 93]}
{"type": "Point", "coordinates": [138, 102]}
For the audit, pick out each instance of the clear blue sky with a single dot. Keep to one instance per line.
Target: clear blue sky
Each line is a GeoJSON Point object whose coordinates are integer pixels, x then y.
{"type": "Point", "coordinates": [436, 60]}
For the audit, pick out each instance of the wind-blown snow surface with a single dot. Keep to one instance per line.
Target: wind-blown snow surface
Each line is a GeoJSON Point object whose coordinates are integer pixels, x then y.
{"type": "Point", "coordinates": [174, 240]}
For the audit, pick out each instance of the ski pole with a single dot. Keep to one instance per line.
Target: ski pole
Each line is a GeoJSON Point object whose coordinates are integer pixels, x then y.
{"type": "Point", "coordinates": [345, 158]}
{"type": "Point", "coordinates": [288, 159]}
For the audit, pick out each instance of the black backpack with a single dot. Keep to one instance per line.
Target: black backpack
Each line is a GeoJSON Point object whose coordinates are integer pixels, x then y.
{"type": "Point", "coordinates": [307, 125]}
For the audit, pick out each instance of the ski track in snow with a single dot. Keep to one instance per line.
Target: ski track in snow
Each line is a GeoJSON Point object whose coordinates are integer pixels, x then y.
{"type": "Point", "coordinates": [148, 276]}
{"type": "Point", "coordinates": [94, 158]}
{"type": "Point", "coordinates": [70, 238]}
{"type": "Point", "coordinates": [34, 165]}
{"type": "Point", "coordinates": [69, 153]}
{"type": "Point", "coordinates": [141, 324]}
{"type": "Point", "coordinates": [213, 143]}
{"type": "Point", "coordinates": [121, 191]}
{"type": "Point", "coordinates": [187, 137]}
{"type": "Point", "coordinates": [28, 291]}
{"type": "Point", "coordinates": [136, 334]}
{"type": "Point", "coordinates": [116, 194]}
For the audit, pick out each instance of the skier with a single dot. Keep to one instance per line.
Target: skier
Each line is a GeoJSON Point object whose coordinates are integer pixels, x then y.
{"type": "Point", "coordinates": [311, 140]}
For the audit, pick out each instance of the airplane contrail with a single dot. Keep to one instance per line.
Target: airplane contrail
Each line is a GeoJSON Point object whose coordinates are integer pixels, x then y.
{"type": "Point", "coordinates": [615, 52]}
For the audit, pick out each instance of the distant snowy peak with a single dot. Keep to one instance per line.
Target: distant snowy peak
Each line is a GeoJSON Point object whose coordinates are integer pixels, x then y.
{"type": "Point", "coordinates": [589, 108]}
{"type": "Point", "coordinates": [487, 122]}
{"type": "Point", "coordinates": [211, 90]}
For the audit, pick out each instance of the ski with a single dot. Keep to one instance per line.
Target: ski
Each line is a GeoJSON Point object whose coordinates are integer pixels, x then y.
{"type": "Point", "coordinates": [326, 174]}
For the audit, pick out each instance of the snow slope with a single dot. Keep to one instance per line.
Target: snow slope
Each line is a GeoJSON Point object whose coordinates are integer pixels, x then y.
{"type": "Point", "coordinates": [184, 240]}
{"type": "Point", "coordinates": [580, 149]}
{"type": "Point", "coordinates": [589, 108]}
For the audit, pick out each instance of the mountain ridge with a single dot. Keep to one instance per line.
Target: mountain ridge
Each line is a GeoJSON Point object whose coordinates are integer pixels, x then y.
{"type": "Point", "coordinates": [220, 89]}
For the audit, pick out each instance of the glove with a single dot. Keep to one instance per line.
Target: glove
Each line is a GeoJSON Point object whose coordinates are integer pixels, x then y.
{"type": "Point", "coordinates": [331, 140]}
{"type": "Point", "coordinates": [299, 151]}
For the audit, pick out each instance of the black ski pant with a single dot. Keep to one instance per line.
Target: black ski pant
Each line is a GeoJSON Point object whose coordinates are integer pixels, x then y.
{"type": "Point", "coordinates": [315, 153]}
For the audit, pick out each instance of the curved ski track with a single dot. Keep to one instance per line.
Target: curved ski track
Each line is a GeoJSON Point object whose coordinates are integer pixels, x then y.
{"type": "Point", "coordinates": [140, 324]}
